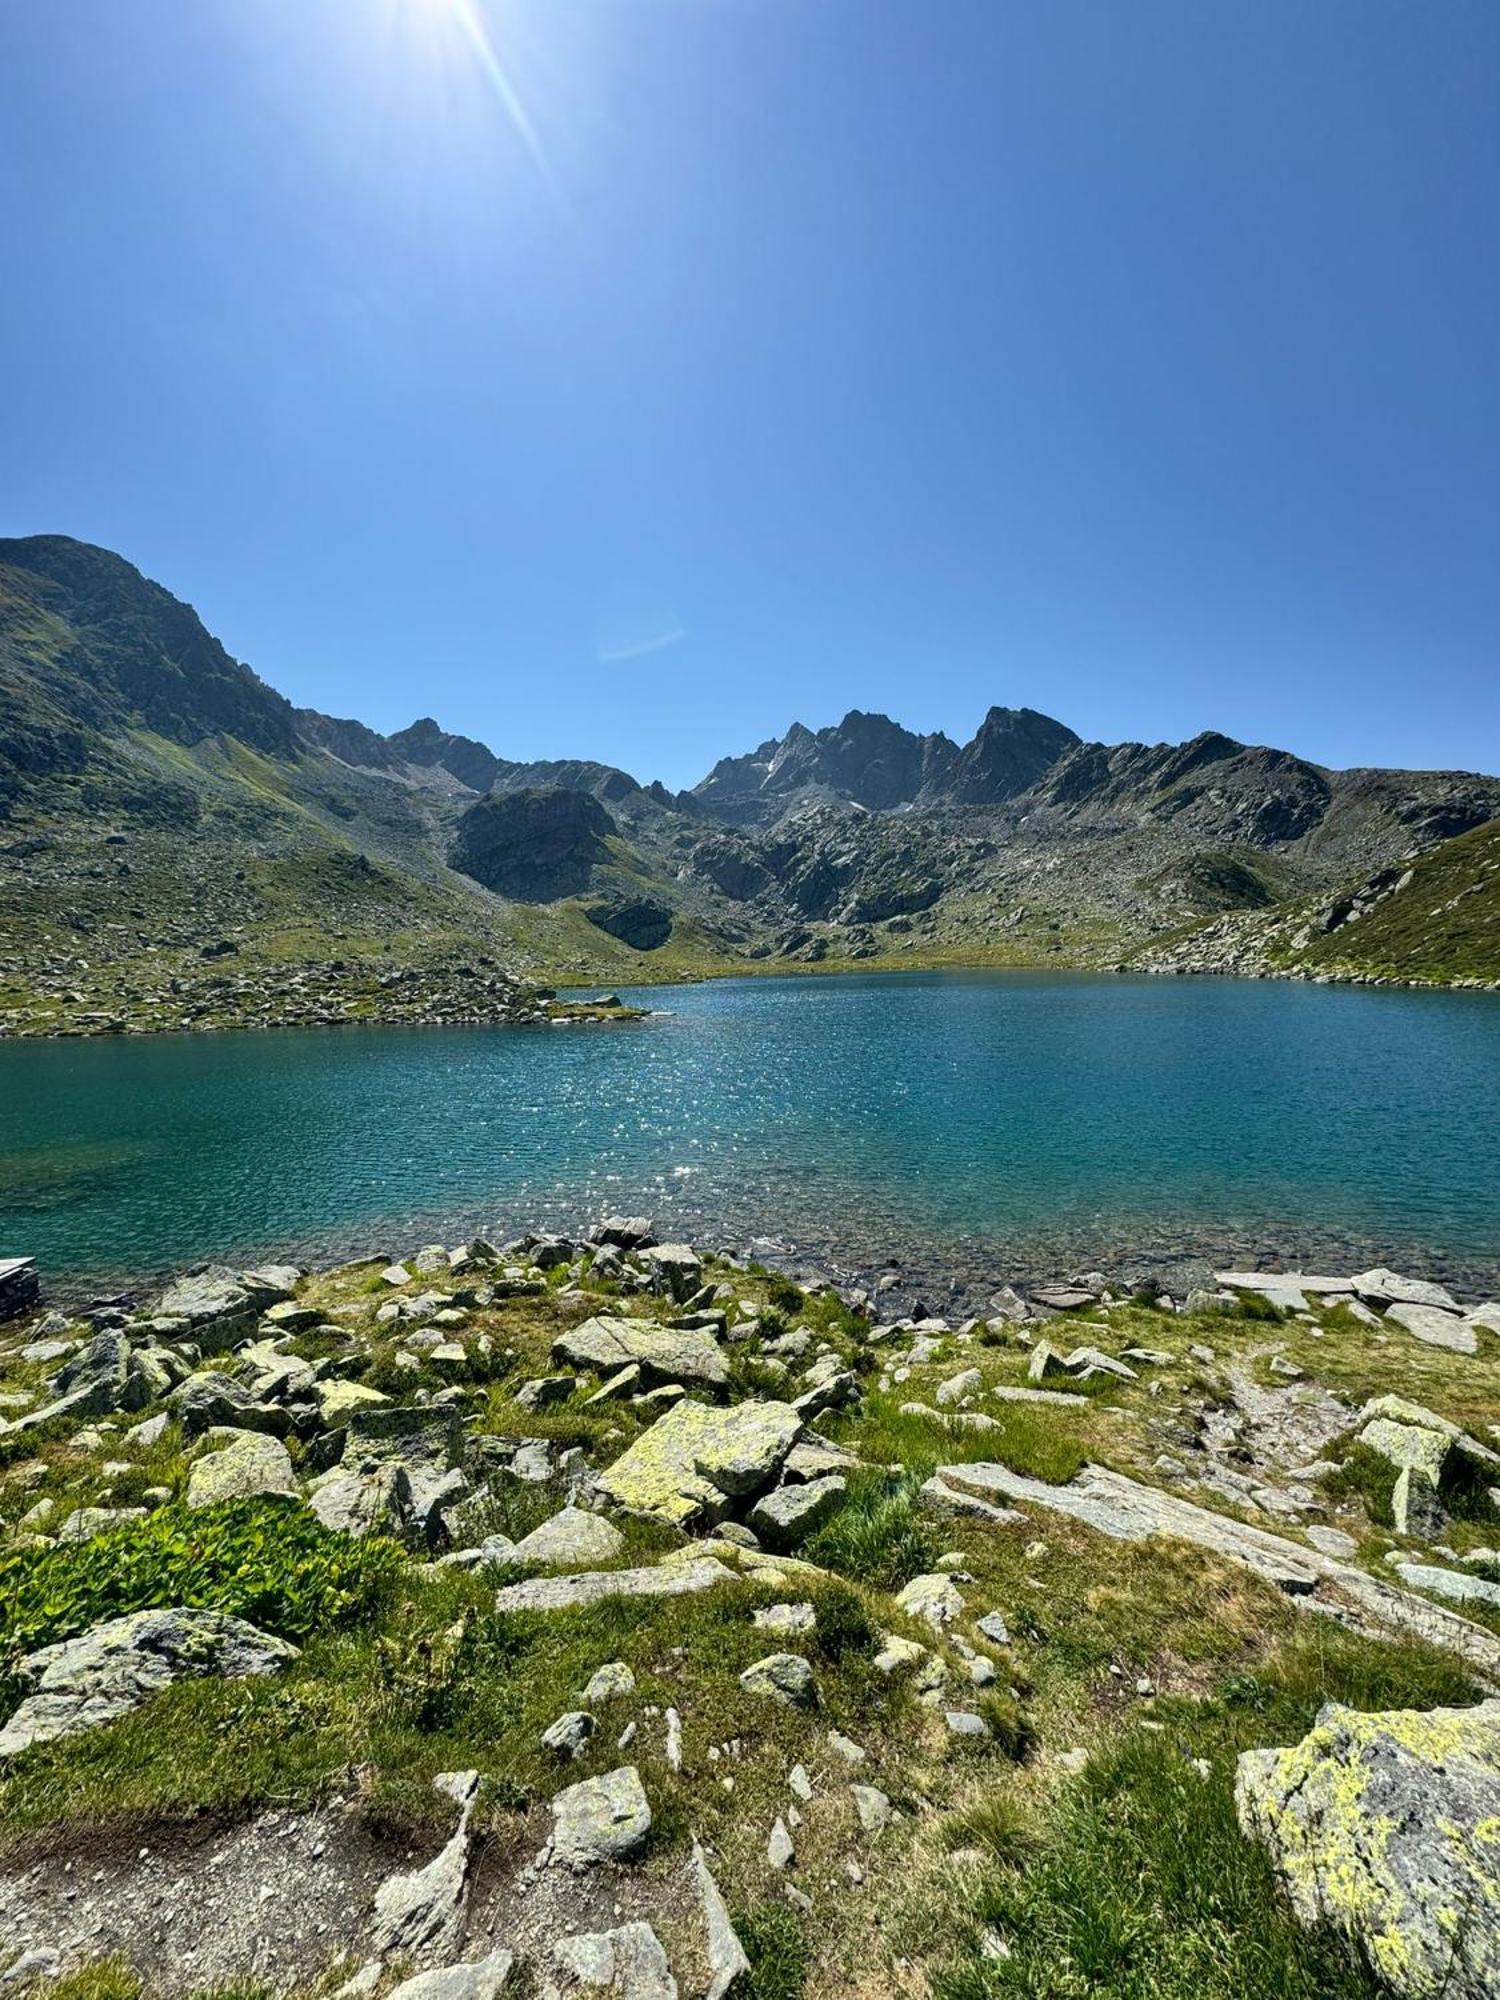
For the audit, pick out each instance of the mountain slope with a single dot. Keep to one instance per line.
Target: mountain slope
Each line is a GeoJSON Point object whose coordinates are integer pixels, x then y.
{"type": "Point", "coordinates": [1434, 920]}
{"type": "Point", "coordinates": [174, 835]}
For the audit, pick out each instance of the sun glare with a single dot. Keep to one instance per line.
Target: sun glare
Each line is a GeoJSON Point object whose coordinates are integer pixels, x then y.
{"type": "Point", "coordinates": [472, 27]}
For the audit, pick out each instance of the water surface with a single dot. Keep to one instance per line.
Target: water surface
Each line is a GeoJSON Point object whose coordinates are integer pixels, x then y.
{"type": "Point", "coordinates": [987, 1125]}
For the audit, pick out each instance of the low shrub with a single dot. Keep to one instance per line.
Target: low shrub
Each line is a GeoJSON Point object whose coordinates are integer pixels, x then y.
{"type": "Point", "coordinates": [269, 1561]}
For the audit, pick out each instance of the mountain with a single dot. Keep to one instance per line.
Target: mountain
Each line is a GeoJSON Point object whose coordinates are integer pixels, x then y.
{"type": "Point", "coordinates": [179, 844]}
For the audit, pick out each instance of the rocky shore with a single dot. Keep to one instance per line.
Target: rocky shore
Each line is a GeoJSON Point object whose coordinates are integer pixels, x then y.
{"type": "Point", "coordinates": [596, 1614]}
{"type": "Point", "coordinates": [257, 995]}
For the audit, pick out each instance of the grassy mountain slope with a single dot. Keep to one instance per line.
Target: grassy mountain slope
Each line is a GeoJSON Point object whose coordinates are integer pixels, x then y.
{"type": "Point", "coordinates": [1433, 920]}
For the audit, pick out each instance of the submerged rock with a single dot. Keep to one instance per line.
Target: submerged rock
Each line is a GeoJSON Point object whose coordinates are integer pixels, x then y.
{"type": "Point", "coordinates": [1388, 1827]}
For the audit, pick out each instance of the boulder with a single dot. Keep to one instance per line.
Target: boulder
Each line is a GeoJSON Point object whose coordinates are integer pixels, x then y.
{"type": "Point", "coordinates": [104, 1673]}
{"type": "Point", "coordinates": [572, 1539]}
{"type": "Point", "coordinates": [425, 1446]}
{"type": "Point", "coordinates": [673, 1268]}
{"type": "Point", "coordinates": [84, 1523]}
{"type": "Point", "coordinates": [422, 1912]}
{"type": "Point", "coordinates": [358, 1503]}
{"type": "Point", "coordinates": [476, 1979]}
{"type": "Point", "coordinates": [662, 1353]}
{"type": "Point", "coordinates": [569, 1735]}
{"type": "Point", "coordinates": [220, 1307]}
{"type": "Point", "coordinates": [215, 1401]}
{"type": "Point", "coordinates": [1387, 1826]}
{"type": "Point", "coordinates": [601, 1819]}
{"type": "Point", "coordinates": [629, 1962]}
{"type": "Point", "coordinates": [564, 1593]}
{"type": "Point", "coordinates": [695, 1462]}
{"type": "Point", "coordinates": [789, 1514]}
{"type": "Point", "coordinates": [967, 1383]}
{"type": "Point", "coordinates": [785, 1677]}
{"type": "Point", "coordinates": [1382, 1288]}
{"type": "Point", "coordinates": [614, 1681]}
{"type": "Point", "coordinates": [934, 1598]}
{"type": "Point", "coordinates": [239, 1465]}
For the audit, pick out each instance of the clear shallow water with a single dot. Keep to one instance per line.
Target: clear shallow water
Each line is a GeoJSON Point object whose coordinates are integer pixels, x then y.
{"type": "Point", "coordinates": [975, 1125]}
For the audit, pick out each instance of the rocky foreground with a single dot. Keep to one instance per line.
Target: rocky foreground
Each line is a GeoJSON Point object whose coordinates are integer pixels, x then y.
{"type": "Point", "coordinates": [599, 1616]}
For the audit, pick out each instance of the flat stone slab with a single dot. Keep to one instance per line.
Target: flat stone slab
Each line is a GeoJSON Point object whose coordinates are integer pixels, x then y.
{"type": "Point", "coordinates": [1301, 1282]}
{"type": "Point", "coordinates": [1131, 1512]}
{"type": "Point", "coordinates": [563, 1593]}
{"type": "Point", "coordinates": [662, 1353]}
{"type": "Point", "coordinates": [1436, 1327]}
{"type": "Point", "coordinates": [1380, 1287]}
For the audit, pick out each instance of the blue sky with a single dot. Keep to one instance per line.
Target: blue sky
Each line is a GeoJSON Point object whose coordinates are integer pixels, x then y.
{"type": "Point", "coordinates": [626, 378]}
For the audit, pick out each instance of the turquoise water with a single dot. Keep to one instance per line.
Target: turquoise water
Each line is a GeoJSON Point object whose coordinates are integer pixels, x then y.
{"type": "Point", "coordinates": [984, 1125]}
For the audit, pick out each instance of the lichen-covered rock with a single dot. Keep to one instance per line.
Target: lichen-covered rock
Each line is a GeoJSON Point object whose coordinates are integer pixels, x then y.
{"type": "Point", "coordinates": [215, 1401]}
{"type": "Point", "coordinates": [1388, 1827]}
{"type": "Point", "coordinates": [629, 1961]}
{"type": "Point", "coordinates": [601, 1819]}
{"type": "Point", "coordinates": [104, 1673]}
{"type": "Point", "coordinates": [565, 1593]}
{"type": "Point", "coordinates": [934, 1598]}
{"type": "Point", "coordinates": [238, 1465]}
{"type": "Point", "coordinates": [785, 1677]}
{"type": "Point", "coordinates": [694, 1461]}
{"type": "Point", "coordinates": [789, 1514]}
{"type": "Point", "coordinates": [662, 1353]}
{"type": "Point", "coordinates": [572, 1539]}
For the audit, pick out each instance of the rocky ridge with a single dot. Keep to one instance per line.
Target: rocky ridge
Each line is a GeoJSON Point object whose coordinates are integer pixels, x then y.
{"type": "Point", "coordinates": [177, 841]}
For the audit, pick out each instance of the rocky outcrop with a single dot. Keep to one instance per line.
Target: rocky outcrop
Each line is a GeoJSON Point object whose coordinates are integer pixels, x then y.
{"type": "Point", "coordinates": [1387, 1827]}
{"type": "Point", "coordinates": [533, 846]}
{"type": "Point", "coordinates": [113, 1668]}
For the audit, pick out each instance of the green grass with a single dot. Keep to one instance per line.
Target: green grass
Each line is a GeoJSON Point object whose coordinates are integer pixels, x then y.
{"type": "Point", "coordinates": [1134, 1882]}
{"type": "Point", "coordinates": [777, 1951]}
{"type": "Point", "coordinates": [879, 1536]}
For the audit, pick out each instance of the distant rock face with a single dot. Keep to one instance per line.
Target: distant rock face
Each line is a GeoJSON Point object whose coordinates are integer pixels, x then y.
{"type": "Point", "coordinates": [533, 846]}
{"type": "Point", "coordinates": [638, 922]}
{"type": "Point", "coordinates": [1388, 1827]}
{"type": "Point", "coordinates": [1011, 750]}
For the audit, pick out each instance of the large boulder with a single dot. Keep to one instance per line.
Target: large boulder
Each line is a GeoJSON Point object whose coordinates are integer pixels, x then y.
{"type": "Point", "coordinates": [1388, 1827]}
{"type": "Point", "coordinates": [106, 1672]}
{"type": "Point", "coordinates": [573, 1539]}
{"type": "Point", "coordinates": [221, 1307]}
{"type": "Point", "coordinates": [695, 1462]}
{"type": "Point", "coordinates": [215, 1401]}
{"type": "Point", "coordinates": [425, 1445]}
{"type": "Point", "coordinates": [662, 1353]}
{"type": "Point", "coordinates": [239, 1465]}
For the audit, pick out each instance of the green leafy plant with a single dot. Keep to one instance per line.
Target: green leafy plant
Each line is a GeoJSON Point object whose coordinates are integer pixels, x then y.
{"type": "Point", "coordinates": [269, 1561]}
